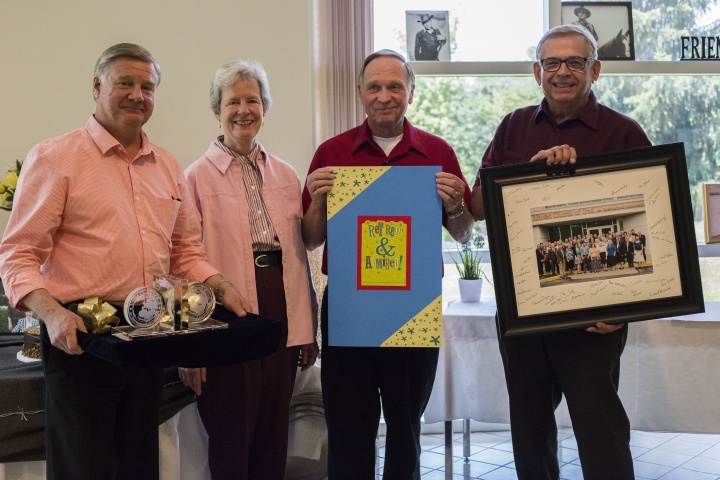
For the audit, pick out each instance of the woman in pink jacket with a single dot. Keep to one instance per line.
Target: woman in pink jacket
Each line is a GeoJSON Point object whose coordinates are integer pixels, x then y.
{"type": "Point", "coordinates": [250, 206]}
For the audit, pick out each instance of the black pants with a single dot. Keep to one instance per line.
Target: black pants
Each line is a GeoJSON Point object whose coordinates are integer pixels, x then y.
{"type": "Point", "coordinates": [585, 367]}
{"type": "Point", "coordinates": [355, 382]}
{"type": "Point", "coordinates": [101, 422]}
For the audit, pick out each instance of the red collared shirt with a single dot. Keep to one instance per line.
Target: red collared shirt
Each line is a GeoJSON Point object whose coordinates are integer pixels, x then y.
{"type": "Point", "coordinates": [356, 147]}
{"type": "Point", "coordinates": [526, 131]}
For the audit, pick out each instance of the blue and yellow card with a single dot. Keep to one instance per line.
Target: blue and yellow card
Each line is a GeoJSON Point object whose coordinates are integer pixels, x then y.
{"type": "Point", "coordinates": [384, 257]}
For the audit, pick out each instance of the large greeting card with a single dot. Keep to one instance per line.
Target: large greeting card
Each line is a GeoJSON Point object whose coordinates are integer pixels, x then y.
{"type": "Point", "coordinates": [384, 257]}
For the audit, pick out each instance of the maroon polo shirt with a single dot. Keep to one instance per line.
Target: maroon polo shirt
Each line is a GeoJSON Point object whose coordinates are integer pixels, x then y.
{"type": "Point", "coordinates": [526, 131]}
{"type": "Point", "coordinates": [356, 147]}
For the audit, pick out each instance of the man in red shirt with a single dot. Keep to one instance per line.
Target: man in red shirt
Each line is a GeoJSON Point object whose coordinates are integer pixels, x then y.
{"type": "Point", "coordinates": [354, 379]}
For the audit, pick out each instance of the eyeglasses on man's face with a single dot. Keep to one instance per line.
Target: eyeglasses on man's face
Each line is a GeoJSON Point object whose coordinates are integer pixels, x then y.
{"type": "Point", "coordinates": [576, 64]}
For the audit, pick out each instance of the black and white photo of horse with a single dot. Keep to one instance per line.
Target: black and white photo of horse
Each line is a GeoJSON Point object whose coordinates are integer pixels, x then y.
{"type": "Point", "coordinates": [609, 22]}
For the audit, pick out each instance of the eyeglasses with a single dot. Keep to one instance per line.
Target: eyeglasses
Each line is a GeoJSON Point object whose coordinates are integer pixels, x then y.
{"type": "Point", "coordinates": [576, 64]}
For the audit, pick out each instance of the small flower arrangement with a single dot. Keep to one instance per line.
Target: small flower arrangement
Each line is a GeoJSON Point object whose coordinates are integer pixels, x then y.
{"type": "Point", "coordinates": [470, 267]}
{"type": "Point", "coordinates": [8, 186]}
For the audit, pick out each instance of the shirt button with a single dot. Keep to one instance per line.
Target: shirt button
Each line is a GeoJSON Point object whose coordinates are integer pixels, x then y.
{"type": "Point", "coordinates": [137, 199]}
{"type": "Point", "coordinates": [252, 187]}
{"type": "Point", "coordinates": [147, 269]}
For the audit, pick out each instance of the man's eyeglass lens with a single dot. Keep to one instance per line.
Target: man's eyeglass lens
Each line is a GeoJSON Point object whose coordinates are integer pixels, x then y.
{"type": "Point", "coordinates": [576, 64]}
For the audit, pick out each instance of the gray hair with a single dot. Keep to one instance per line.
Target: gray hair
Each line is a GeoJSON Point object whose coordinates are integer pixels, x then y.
{"type": "Point", "coordinates": [386, 53]}
{"type": "Point", "coordinates": [566, 30]}
{"type": "Point", "coordinates": [232, 72]}
{"type": "Point", "coordinates": [124, 50]}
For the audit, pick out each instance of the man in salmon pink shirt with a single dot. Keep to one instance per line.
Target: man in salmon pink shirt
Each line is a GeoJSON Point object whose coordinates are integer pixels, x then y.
{"type": "Point", "coordinates": [97, 212]}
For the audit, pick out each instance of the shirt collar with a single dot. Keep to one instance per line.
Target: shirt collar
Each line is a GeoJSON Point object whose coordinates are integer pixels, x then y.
{"type": "Point", "coordinates": [222, 156]}
{"type": "Point", "coordinates": [589, 115]}
{"type": "Point", "coordinates": [409, 140]}
{"type": "Point", "coordinates": [106, 142]}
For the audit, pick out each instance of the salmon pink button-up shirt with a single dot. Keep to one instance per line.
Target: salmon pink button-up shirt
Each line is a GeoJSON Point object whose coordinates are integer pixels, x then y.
{"type": "Point", "coordinates": [218, 191]}
{"type": "Point", "coordinates": [88, 220]}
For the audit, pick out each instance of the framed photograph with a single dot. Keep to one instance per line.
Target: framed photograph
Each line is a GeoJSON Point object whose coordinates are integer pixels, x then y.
{"type": "Point", "coordinates": [609, 22]}
{"type": "Point", "coordinates": [638, 200]}
{"type": "Point", "coordinates": [711, 211]}
{"type": "Point", "coordinates": [428, 35]}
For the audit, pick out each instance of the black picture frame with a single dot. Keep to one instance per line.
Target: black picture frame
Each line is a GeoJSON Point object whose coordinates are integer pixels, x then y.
{"type": "Point", "coordinates": [611, 25]}
{"type": "Point", "coordinates": [432, 44]}
{"type": "Point", "coordinates": [636, 187]}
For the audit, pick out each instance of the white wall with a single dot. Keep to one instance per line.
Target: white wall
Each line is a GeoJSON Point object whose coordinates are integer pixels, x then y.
{"type": "Point", "coordinates": [49, 48]}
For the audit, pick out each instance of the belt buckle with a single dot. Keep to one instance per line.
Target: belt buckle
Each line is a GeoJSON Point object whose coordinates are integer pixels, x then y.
{"type": "Point", "coordinates": [263, 256]}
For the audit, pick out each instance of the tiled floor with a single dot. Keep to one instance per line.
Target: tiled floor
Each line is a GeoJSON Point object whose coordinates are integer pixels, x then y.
{"type": "Point", "coordinates": [667, 456]}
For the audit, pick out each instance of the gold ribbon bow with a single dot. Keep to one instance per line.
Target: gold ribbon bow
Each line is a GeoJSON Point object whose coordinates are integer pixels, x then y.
{"type": "Point", "coordinates": [98, 316]}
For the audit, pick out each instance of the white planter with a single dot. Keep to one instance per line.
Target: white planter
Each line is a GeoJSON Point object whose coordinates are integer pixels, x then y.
{"type": "Point", "coordinates": [470, 290]}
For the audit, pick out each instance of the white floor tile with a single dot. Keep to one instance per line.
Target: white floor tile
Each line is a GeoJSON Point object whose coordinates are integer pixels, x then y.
{"type": "Point", "coordinates": [676, 445]}
{"type": "Point", "coordinates": [657, 455]}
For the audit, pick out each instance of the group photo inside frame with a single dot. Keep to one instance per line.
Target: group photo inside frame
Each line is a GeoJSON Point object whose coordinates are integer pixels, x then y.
{"type": "Point", "coordinates": [609, 22]}
{"type": "Point", "coordinates": [428, 35]}
{"type": "Point", "coordinates": [641, 195]}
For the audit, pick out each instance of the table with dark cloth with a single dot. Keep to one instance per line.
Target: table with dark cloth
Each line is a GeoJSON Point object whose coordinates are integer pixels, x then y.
{"type": "Point", "coordinates": [22, 403]}
{"type": "Point", "coordinates": [22, 386]}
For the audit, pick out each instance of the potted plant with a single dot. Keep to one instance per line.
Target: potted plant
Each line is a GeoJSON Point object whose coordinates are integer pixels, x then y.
{"type": "Point", "coordinates": [470, 269]}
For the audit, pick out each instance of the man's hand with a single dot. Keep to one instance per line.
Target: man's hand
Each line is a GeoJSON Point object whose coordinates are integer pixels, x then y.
{"type": "Point", "coordinates": [62, 329]}
{"type": "Point", "coordinates": [62, 324]}
{"type": "Point", "coordinates": [319, 183]}
{"type": "Point", "coordinates": [193, 378]}
{"type": "Point", "coordinates": [314, 221]}
{"type": "Point", "coordinates": [451, 189]}
{"type": "Point", "coordinates": [308, 355]}
{"type": "Point", "coordinates": [604, 328]}
{"type": "Point", "coordinates": [561, 154]}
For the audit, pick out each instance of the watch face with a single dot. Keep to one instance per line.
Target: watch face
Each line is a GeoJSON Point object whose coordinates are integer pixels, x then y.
{"type": "Point", "coordinates": [143, 307]}
{"type": "Point", "coordinates": [201, 302]}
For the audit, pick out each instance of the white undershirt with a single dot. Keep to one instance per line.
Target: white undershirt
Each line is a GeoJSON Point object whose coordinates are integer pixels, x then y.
{"type": "Point", "coordinates": [387, 144]}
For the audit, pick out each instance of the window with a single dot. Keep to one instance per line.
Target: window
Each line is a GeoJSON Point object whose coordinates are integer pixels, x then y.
{"type": "Point", "coordinates": [492, 49]}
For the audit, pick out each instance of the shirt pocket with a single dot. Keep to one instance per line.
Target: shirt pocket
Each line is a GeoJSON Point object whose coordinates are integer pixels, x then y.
{"type": "Point", "coordinates": [166, 213]}
{"type": "Point", "coordinates": [290, 200]}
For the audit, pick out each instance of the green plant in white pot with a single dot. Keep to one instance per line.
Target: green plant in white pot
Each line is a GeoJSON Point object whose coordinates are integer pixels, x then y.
{"type": "Point", "coordinates": [470, 269]}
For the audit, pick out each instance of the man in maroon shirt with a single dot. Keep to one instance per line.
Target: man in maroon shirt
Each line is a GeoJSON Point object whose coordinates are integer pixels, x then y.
{"type": "Point", "coordinates": [354, 379]}
{"type": "Point", "coordinates": [584, 365]}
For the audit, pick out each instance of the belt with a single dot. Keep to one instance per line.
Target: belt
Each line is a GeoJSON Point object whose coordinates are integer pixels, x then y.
{"type": "Point", "coordinates": [267, 259]}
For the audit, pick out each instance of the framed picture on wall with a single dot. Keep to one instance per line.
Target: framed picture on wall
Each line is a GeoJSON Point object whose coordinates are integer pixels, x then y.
{"type": "Point", "coordinates": [428, 35]}
{"type": "Point", "coordinates": [643, 197]}
{"type": "Point", "coordinates": [609, 22]}
{"type": "Point", "coordinates": [711, 211]}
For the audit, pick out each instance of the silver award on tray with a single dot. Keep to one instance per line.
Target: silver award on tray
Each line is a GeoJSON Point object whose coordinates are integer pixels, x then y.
{"type": "Point", "coordinates": [172, 306]}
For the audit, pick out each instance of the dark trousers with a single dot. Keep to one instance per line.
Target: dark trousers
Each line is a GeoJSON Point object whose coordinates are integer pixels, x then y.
{"type": "Point", "coordinates": [585, 367]}
{"type": "Point", "coordinates": [101, 422]}
{"type": "Point", "coordinates": [246, 407]}
{"type": "Point", "coordinates": [356, 383]}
